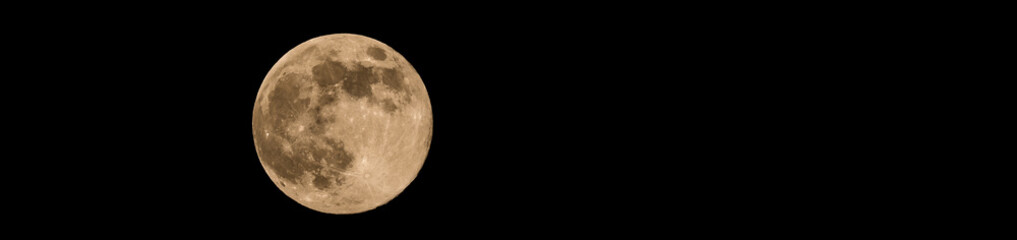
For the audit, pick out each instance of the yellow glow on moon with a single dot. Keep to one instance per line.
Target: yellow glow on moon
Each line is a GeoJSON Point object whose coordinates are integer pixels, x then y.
{"type": "Point", "coordinates": [342, 123]}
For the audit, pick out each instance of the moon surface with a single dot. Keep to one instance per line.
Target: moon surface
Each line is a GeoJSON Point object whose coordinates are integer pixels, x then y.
{"type": "Point", "coordinates": [342, 123]}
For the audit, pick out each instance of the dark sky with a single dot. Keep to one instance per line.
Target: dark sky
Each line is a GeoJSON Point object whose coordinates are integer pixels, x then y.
{"type": "Point", "coordinates": [594, 122]}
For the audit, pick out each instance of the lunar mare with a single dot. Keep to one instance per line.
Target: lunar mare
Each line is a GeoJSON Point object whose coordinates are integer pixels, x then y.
{"type": "Point", "coordinates": [342, 123]}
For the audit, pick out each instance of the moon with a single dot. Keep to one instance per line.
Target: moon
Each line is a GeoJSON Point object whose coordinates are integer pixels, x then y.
{"type": "Point", "coordinates": [342, 123]}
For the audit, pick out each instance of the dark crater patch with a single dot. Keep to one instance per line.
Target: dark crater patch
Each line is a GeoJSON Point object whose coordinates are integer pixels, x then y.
{"type": "Point", "coordinates": [284, 101]}
{"type": "Point", "coordinates": [393, 78]}
{"type": "Point", "coordinates": [287, 166]}
{"type": "Point", "coordinates": [389, 106]}
{"type": "Point", "coordinates": [326, 99]}
{"type": "Point", "coordinates": [358, 83]}
{"type": "Point", "coordinates": [321, 182]}
{"type": "Point", "coordinates": [376, 53]}
{"type": "Point", "coordinates": [338, 157]}
{"type": "Point", "coordinates": [292, 166]}
{"type": "Point", "coordinates": [356, 80]}
{"type": "Point", "coordinates": [328, 73]}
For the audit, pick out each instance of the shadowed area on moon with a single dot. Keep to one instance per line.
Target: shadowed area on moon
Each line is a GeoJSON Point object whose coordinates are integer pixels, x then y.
{"type": "Point", "coordinates": [285, 106]}
{"type": "Point", "coordinates": [294, 156]}
{"type": "Point", "coordinates": [376, 53]}
{"type": "Point", "coordinates": [355, 79]}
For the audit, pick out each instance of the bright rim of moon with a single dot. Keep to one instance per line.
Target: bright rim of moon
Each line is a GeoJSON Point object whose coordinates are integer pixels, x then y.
{"type": "Point", "coordinates": [342, 123]}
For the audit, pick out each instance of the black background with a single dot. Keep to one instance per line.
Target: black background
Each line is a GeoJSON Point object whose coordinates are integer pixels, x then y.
{"type": "Point", "coordinates": [545, 123]}
{"type": "Point", "coordinates": [595, 123]}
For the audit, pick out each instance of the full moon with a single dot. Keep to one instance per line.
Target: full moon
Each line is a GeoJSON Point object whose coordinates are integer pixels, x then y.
{"type": "Point", "coordinates": [342, 123]}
